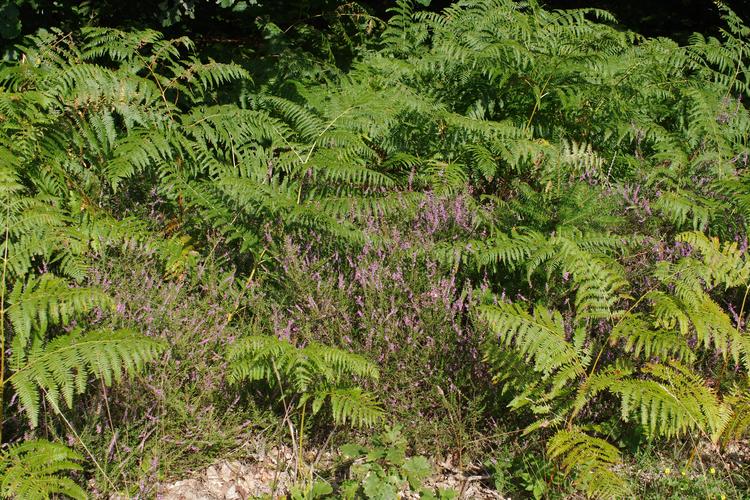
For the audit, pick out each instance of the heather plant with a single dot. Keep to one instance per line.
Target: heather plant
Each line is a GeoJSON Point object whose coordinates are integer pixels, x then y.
{"type": "Point", "coordinates": [177, 415]}
{"type": "Point", "coordinates": [400, 310]}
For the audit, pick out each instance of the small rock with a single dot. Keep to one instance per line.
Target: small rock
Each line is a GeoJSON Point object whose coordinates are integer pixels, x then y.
{"type": "Point", "coordinates": [226, 473]}
{"type": "Point", "coordinates": [231, 493]}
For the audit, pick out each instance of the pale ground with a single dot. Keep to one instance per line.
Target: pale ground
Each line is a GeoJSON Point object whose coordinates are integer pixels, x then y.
{"type": "Point", "coordinates": [268, 473]}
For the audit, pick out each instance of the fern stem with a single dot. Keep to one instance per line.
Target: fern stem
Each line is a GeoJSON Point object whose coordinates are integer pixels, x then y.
{"type": "Point", "coordinates": [78, 437]}
{"type": "Point", "coordinates": [538, 102]}
{"type": "Point", "coordinates": [109, 416]}
{"type": "Point", "coordinates": [162, 90]}
{"type": "Point", "coordinates": [742, 309]}
{"type": "Point", "coordinates": [247, 284]}
{"type": "Point", "coordinates": [287, 413]}
{"type": "Point", "coordinates": [301, 433]}
{"type": "Point", "coordinates": [299, 191]}
{"type": "Point", "coordinates": [2, 322]}
{"type": "Point", "coordinates": [256, 265]}
{"type": "Point", "coordinates": [315, 143]}
{"type": "Point", "coordinates": [584, 386]}
{"type": "Point", "coordinates": [319, 454]}
{"type": "Point", "coordinates": [625, 74]}
{"type": "Point", "coordinates": [734, 78]}
{"type": "Point", "coordinates": [737, 331]}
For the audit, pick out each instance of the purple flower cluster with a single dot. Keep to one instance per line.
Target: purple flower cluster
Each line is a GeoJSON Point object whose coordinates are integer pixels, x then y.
{"type": "Point", "coordinates": [389, 302]}
{"type": "Point", "coordinates": [195, 319]}
{"type": "Point", "coordinates": [438, 215]}
{"type": "Point", "coordinates": [638, 201]}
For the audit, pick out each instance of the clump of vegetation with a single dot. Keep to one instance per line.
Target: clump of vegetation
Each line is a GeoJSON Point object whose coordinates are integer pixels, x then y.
{"type": "Point", "coordinates": [519, 235]}
{"type": "Point", "coordinates": [384, 470]}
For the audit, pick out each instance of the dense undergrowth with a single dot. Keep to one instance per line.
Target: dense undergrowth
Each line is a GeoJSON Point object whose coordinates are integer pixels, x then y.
{"type": "Point", "coordinates": [518, 234]}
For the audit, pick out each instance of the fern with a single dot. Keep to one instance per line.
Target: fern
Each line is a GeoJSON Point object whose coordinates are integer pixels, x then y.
{"type": "Point", "coordinates": [647, 341]}
{"type": "Point", "coordinates": [354, 405]}
{"type": "Point", "coordinates": [725, 264]}
{"type": "Point", "coordinates": [315, 374]}
{"type": "Point", "coordinates": [61, 368]}
{"type": "Point", "coordinates": [692, 309]}
{"type": "Point", "coordinates": [46, 299]}
{"type": "Point", "coordinates": [34, 468]}
{"type": "Point", "coordinates": [67, 117]}
{"type": "Point", "coordinates": [681, 208]}
{"type": "Point", "coordinates": [738, 424]}
{"type": "Point", "coordinates": [561, 377]}
{"type": "Point", "coordinates": [673, 401]}
{"type": "Point", "coordinates": [598, 278]}
{"type": "Point", "coordinates": [592, 459]}
{"type": "Point", "coordinates": [539, 337]}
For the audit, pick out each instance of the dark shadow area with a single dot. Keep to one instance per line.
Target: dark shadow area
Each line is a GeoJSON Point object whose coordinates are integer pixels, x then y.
{"type": "Point", "coordinates": [673, 18]}
{"type": "Point", "coordinates": [235, 20]}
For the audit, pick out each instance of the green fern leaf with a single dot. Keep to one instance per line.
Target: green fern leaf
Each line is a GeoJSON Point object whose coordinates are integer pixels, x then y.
{"type": "Point", "coordinates": [61, 368]}
{"type": "Point", "coordinates": [592, 459]}
{"type": "Point", "coordinates": [47, 299]}
{"type": "Point", "coordinates": [538, 336]}
{"type": "Point", "coordinates": [32, 470]}
{"type": "Point", "coordinates": [672, 401]}
{"type": "Point", "coordinates": [355, 406]}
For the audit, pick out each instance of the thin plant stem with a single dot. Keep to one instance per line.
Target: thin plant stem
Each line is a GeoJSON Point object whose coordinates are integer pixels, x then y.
{"type": "Point", "coordinates": [78, 437]}
{"type": "Point", "coordinates": [2, 322]}
{"type": "Point", "coordinates": [287, 417]}
{"type": "Point", "coordinates": [301, 433]}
